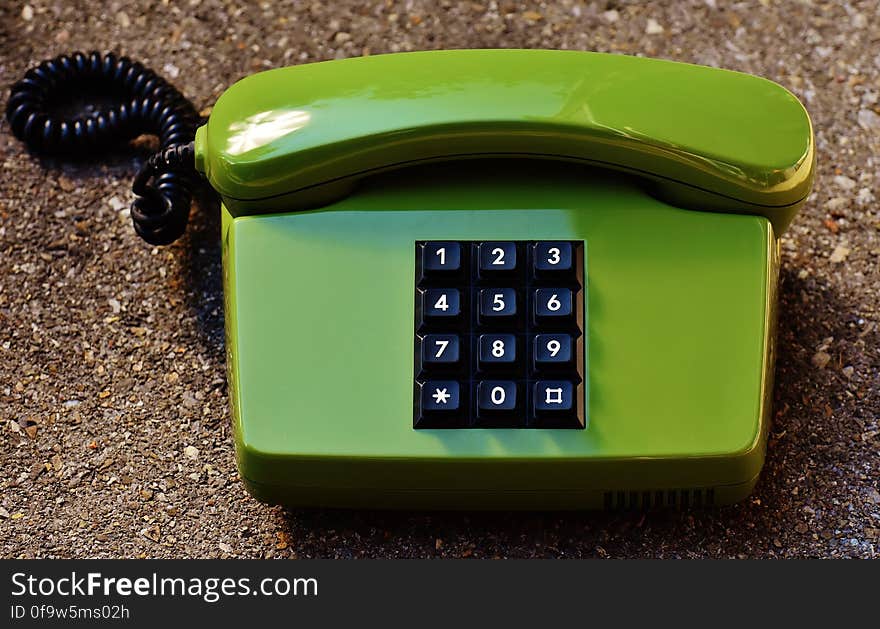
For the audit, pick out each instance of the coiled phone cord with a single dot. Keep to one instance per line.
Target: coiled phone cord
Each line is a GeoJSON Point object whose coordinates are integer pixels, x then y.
{"type": "Point", "coordinates": [140, 102]}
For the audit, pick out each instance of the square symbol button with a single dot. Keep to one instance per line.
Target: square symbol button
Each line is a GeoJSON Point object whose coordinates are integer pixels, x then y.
{"type": "Point", "coordinates": [554, 396]}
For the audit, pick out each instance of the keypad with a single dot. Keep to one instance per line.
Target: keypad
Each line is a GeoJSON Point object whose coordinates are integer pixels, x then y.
{"type": "Point", "coordinates": [499, 334]}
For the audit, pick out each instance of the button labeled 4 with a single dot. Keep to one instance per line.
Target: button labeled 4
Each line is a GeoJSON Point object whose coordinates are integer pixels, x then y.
{"type": "Point", "coordinates": [441, 303]}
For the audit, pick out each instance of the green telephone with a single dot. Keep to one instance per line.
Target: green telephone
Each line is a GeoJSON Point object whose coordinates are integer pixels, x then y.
{"type": "Point", "coordinates": [503, 278]}
{"type": "Point", "coordinates": [475, 279]}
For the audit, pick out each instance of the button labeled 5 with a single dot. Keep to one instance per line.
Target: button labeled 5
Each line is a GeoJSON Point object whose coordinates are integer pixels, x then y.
{"type": "Point", "coordinates": [497, 302]}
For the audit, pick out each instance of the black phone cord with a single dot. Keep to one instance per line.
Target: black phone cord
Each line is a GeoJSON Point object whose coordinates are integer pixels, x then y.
{"type": "Point", "coordinates": [138, 102]}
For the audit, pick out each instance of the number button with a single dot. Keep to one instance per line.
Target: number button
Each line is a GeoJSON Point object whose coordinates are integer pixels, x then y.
{"type": "Point", "coordinates": [552, 257]}
{"type": "Point", "coordinates": [440, 349]}
{"type": "Point", "coordinates": [496, 395]}
{"type": "Point", "coordinates": [440, 257]}
{"type": "Point", "coordinates": [497, 303]}
{"type": "Point", "coordinates": [497, 350]}
{"type": "Point", "coordinates": [497, 256]}
{"type": "Point", "coordinates": [441, 303]}
{"type": "Point", "coordinates": [552, 350]}
{"type": "Point", "coordinates": [553, 305]}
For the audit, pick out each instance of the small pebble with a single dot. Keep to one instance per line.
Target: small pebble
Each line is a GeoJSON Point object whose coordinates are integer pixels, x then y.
{"type": "Point", "coordinates": [653, 27]}
{"type": "Point", "coordinates": [869, 120]}
{"type": "Point", "coordinates": [839, 254]}
{"type": "Point", "coordinates": [844, 182]}
{"type": "Point", "coordinates": [821, 359]}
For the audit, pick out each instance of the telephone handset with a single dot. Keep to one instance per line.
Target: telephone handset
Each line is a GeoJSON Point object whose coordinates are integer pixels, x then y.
{"type": "Point", "coordinates": [706, 138]}
{"type": "Point", "coordinates": [480, 279]}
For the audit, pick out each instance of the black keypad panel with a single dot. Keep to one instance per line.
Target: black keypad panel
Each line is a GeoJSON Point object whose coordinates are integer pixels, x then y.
{"type": "Point", "coordinates": [499, 334]}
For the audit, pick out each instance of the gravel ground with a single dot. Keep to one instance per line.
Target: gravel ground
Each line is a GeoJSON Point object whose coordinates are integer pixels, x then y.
{"type": "Point", "coordinates": [114, 421]}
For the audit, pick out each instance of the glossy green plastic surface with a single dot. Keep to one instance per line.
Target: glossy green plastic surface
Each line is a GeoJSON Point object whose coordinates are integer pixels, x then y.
{"type": "Point", "coordinates": [708, 139]}
{"type": "Point", "coordinates": [319, 315]}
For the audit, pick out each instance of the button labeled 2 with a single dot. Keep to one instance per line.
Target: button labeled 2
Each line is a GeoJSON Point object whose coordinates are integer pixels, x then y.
{"type": "Point", "coordinates": [497, 256]}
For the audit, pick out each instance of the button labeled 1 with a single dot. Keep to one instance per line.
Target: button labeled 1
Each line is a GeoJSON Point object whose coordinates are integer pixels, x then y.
{"type": "Point", "coordinates": [441, 257]}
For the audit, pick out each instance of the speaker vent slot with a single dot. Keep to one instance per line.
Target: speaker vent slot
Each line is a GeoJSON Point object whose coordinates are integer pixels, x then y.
{"type": "Point", "coordinates": [645, 499]}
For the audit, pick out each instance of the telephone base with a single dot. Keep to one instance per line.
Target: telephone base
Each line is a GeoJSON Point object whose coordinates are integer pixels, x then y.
{"type": "Point", "coordinates": [677, 313]}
